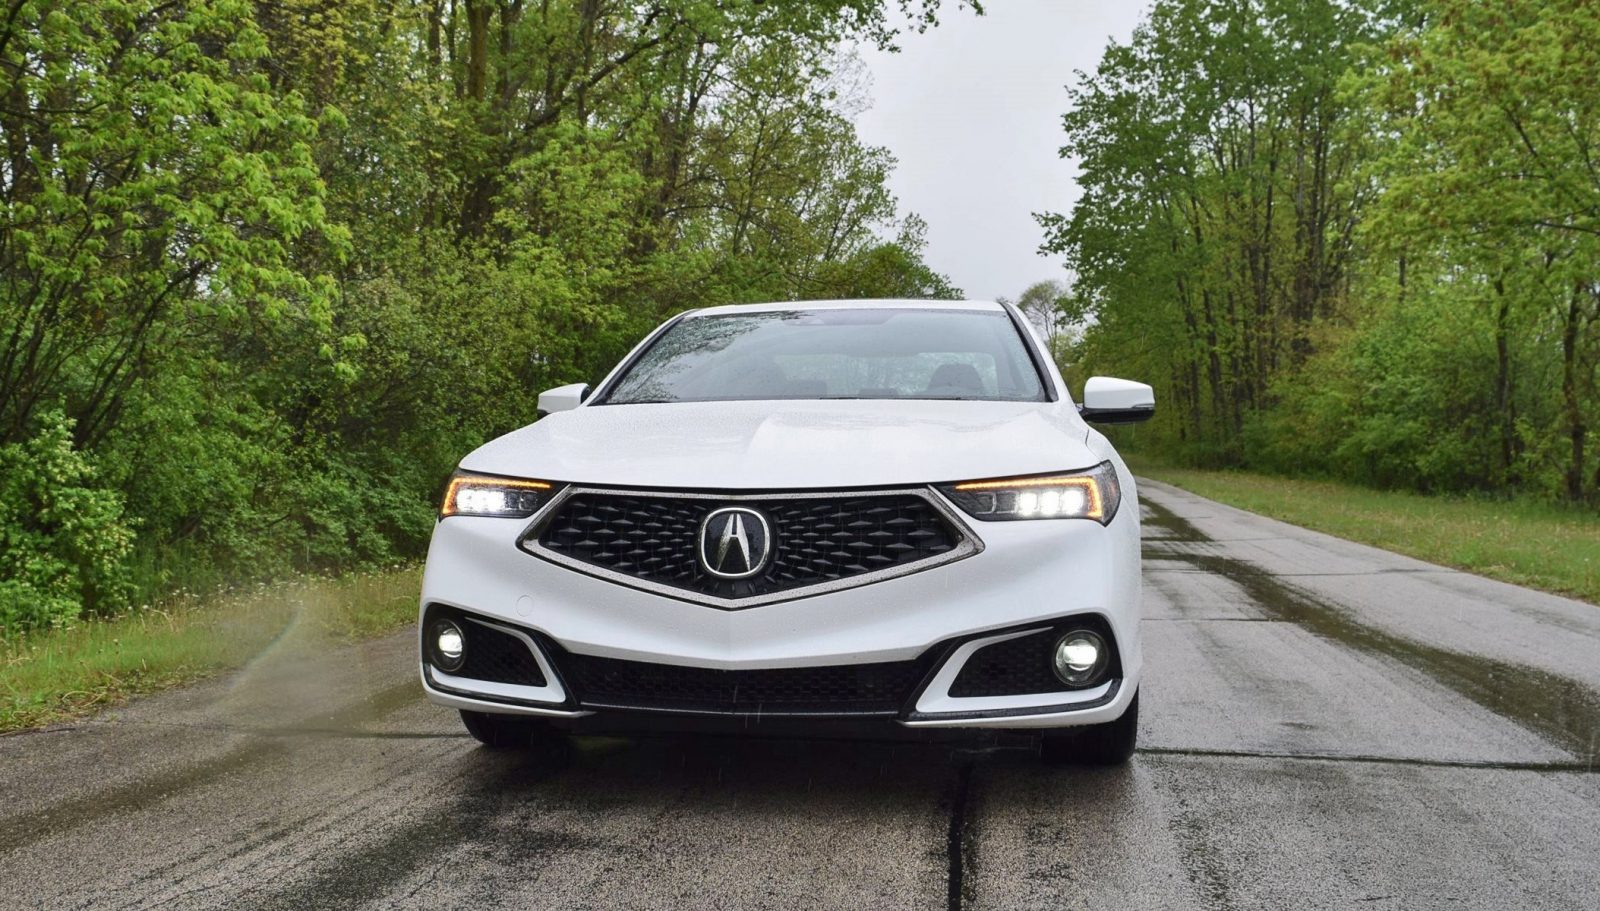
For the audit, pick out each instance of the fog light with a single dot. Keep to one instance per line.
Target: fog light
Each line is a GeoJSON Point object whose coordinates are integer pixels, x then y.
{"type": "Point", "coordinates": [449, 645]}
{"type": "Point", "coordinates": [1080, 658]}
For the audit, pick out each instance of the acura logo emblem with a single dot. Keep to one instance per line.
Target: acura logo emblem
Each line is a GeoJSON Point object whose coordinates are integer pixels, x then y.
{"type": "Point", "coordinates": [735, 543]}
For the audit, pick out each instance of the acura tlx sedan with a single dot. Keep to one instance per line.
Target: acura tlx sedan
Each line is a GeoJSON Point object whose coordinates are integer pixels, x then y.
{"type": "Point", "coordinates": [856, 517]}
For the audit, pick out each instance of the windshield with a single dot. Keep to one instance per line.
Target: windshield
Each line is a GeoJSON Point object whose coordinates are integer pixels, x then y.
{"type": "Point", "coordinates": [835, 354]}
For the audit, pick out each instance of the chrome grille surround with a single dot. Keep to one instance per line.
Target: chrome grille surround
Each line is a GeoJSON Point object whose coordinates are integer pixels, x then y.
{"type": "Point", "coordinates": [965, 542]}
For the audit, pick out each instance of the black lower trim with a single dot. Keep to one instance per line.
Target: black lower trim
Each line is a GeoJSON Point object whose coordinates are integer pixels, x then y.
{"type": "Point", "coordinates": [622, 723]}
{"type": "Point", "coordinates": [682, 697]}
{"type": "Point", "coordinates": [602, 705]}
{"type": "Point", "coordinates": [857, 690]}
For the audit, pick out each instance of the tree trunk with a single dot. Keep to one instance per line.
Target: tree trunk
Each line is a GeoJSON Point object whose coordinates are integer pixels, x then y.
{"type": "Point", "coordinates": [435, 29]}
{"type": "Point", "coordinates": [1577, 428]}
{"type": "Point", "coordinates": [481, 189]}
{"type": "Point", "coordinates": [478, 12]}
{"type": "Point", "coordinates": [1504, 408]}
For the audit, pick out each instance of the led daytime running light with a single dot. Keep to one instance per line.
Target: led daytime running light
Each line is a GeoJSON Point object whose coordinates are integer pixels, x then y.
{"type": "Point", "coordinates": [466, 483]}
{"type": "Point", "coordinates": [1090, 493]}
{"type": "Point", "coordinates": [1090, 487]}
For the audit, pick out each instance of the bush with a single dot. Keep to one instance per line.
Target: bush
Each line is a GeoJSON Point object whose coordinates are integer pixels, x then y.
{"type": "Point", "coordinates": [1404, 400]}
{"type": "Point", "coordinates": [65, 540]}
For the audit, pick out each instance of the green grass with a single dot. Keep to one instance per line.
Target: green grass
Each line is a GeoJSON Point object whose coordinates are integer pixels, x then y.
{"type": "Point", "coordinates": [1539, 545]}
{"type": "Point", "coordinates": [55, 675]}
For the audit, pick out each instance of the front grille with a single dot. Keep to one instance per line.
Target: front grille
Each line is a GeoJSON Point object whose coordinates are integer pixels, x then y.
{"type": "Point", "coordinates": [497, 656]}
{"type": "Point", "coordinates": [815, 539]}
{"type": "Point", "coordinates": [861, 689]}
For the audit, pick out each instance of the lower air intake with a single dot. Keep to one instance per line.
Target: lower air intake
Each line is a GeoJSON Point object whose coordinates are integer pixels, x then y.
{"type": "Point", "coordinates": [857, 689]}
{"type": "Point", "coordinates": [499, 657]}
{"type": "Point", "coordinates": [1021, 666]}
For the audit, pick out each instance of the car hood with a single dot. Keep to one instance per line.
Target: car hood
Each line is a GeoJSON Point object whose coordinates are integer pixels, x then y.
{"type": "Point", "coordinates": [799, 444]}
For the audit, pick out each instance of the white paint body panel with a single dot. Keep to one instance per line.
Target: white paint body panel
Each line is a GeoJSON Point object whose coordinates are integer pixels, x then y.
{"type": "Point", "coordinates": [563, 398]}
{"type": "Point", "coordinates": [1108, 393]}
{"type": "Point", "coordinates": [791, 444]}
{"type": "Point", "coordinates": [1028, 571]}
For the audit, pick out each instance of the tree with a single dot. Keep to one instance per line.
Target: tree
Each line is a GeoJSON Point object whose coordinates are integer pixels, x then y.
{"type": "Point", "coordinates": [279, 264]}
{"type": "Point", "coordinates": [151, 177]}
{"type": "Point", "coordinates": [1048, 304]}
{"type": "Point", "coordinates": [1217, 220]}
{"type": "Point", "coordinates": [1498, 120]}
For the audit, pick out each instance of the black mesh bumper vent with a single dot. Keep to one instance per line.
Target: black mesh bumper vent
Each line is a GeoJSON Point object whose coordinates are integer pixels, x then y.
{"type": "Point", "coordinates": [499, 657]}
{"type": "Point", "coordinates": [860, 689]}
{"type": "Point", "coordinates": [1010, 668]}
{"type": "Point", "coordinates": [815, 540]}
{"type": "Point", "coordinates": [1022, 666]}
{"type": "Point", "coordinates": [491, 654]}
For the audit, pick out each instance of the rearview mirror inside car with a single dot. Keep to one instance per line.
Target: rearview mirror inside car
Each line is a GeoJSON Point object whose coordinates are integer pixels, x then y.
{"type": "Point", "coordinates": [1108, 400]}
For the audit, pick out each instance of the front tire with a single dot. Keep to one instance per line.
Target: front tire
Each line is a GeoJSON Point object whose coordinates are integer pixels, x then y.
{"type": "Point", "coordinates": [507, 732]}
{"type": "Point", "coordinates": [1108, 744]}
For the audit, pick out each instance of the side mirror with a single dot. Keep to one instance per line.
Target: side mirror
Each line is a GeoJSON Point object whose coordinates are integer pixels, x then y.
{"type": "Point", "coordinates": [562, 398]}
{"type": "Point", "coordinates": [1108, 400]}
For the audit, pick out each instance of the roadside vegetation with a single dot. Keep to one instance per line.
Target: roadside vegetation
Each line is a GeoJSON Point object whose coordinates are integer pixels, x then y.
{"type": "Point", "coordinates": [267, 270]}
{"type": "Point", "coordinates": [1354, 239]}
{"type": "Point", "coordinates": [1547, 546]}
{"type": "Point", "coordinates": [53, 675]}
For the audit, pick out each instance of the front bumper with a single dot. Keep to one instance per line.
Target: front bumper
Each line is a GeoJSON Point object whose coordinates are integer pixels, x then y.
{"type": "Point", "coordinates": [1029, 576]}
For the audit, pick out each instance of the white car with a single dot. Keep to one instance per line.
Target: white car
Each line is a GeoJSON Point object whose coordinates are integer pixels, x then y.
{"type": "Point", "coordinates": [875, 517]}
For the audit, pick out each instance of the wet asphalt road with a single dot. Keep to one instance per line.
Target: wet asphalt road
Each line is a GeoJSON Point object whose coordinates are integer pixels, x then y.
{"type": "Point", "coordinates": [1326, 726]}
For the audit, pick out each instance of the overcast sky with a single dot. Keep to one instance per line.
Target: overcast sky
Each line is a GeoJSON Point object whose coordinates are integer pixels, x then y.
{"type": "Point", "coordinates": [972, 110]}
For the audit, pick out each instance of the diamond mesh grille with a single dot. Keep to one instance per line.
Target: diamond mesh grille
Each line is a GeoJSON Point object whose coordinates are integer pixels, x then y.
{"type": "Point", "coordinates": [815, 539]}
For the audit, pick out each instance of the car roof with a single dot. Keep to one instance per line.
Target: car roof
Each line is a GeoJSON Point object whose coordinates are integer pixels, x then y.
{"type": "Point", "coordinates": [884, 304]}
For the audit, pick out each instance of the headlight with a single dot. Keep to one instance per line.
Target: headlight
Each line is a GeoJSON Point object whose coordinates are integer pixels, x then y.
{"type": "Point", "coordinates": [486, 495]}
{"type": "Point", "coordinates": [1090, 494]}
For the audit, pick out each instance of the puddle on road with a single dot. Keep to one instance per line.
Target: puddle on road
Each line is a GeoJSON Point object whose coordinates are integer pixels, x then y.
{"type": "Point", "coordinates": [1556, 708]}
